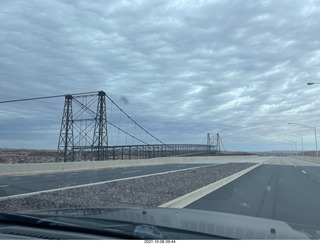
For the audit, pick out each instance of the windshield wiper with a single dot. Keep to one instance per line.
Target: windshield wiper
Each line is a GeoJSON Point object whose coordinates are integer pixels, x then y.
{"type": "Point", "coordinates": [65, 224]}
{"type": "Point", "coordinates": [103, 227]}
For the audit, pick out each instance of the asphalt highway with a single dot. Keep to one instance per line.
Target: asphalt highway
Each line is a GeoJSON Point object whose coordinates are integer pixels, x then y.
{"type": "Point", "coordinates": [16, 185]}
{"type": "Point", "coordinates": [286, 189]}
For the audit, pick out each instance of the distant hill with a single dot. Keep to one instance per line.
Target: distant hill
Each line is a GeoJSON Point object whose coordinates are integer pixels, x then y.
{"type": "Point", "coordinates": [13, 156]}
{"type": "Point", "coordinates": [233, 153]}
{"type": "Point", "coordinates": [289, 152]}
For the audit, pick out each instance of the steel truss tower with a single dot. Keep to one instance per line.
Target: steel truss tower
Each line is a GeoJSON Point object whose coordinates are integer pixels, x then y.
{"type": "Point", "coordinates": [218, 142]}
{"type": "Point", "coordinates": [73, 117]}
{"type": "Point", "coordinates": [100, 135]}
{"type": "Point", "coordinates": [66, 139]}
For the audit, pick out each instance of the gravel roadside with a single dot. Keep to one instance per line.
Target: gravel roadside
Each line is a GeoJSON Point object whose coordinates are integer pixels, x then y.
{"type": "Point", "coordinates": [149, 191]}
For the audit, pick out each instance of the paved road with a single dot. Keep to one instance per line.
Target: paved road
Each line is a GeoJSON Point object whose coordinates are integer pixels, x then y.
{"type": "Point", "coordinates": [15, 185]}
{"type": "Point", "coordinates": [285, 189]}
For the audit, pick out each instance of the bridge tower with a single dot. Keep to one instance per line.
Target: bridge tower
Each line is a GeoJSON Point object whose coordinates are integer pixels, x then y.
{"type": "Point", "coordinates": [208, 139]}
{"type": "Point", "coordinates": [218, 142]}
{"type": "Point", "coordinates": [100, 135]}
{"type": "Point", "coordinates": [66, 139]}
{"type": "Point", "coordinates": [77, 128]}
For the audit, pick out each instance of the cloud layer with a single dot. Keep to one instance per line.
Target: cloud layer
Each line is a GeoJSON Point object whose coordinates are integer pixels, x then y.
{"type": "Point", "coordinates": [180, 68]}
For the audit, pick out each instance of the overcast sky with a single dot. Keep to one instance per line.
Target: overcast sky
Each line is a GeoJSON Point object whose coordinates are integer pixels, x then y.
{"type": "Point", "coordinates": [181, 69]}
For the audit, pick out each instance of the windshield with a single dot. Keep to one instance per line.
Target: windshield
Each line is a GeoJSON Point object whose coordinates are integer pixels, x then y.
{"type": "Point", "coordinates": [209, 108]}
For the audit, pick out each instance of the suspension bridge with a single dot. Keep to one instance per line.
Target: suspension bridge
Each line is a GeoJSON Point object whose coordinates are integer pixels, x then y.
{"type": "Point", "coordinates": [94, 127]}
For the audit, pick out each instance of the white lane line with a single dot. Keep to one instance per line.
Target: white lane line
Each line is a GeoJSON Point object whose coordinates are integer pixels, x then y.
{"type": "Point", "coordinates": [49, 175]}
{"type": "Point", "coordinates": [303, 171]}
{"type": "Point", "coordinates": [185, 200]}
{"type": "Point", "coordinates": [4, 186]}
{"type": "Point", "coordinates": [128, 172]}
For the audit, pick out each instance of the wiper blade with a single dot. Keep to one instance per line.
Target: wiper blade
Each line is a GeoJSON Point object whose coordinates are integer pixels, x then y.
{"type": "Point", "coordinates": [31, 219]}
{"type": "Point", "coordinates": [104, 227]}
{"type": "Point", "coordinates": [65, 224]}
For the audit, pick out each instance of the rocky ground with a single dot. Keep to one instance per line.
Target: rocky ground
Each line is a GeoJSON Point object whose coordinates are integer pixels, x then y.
{"type": "Point", "coordinates": [149, 191]}
{"type": "Point", "coordinates": [13, 156]}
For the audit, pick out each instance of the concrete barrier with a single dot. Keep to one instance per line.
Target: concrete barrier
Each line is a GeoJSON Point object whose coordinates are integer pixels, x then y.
{"type": "Point", "coordinates": [37, 168]}
{"type": "Point", "coordinates": [310, 159]}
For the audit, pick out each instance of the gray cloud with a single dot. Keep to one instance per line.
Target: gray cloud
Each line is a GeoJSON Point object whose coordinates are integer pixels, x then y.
{"type": "Point", "coordinates": [185, 68]}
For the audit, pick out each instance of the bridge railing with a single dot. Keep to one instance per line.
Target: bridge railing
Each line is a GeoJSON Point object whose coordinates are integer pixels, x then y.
{"type": "Point", "coordinates": [84, 153]}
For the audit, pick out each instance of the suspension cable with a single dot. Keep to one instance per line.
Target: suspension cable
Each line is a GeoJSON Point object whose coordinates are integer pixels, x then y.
{"type": "Point", "coordinates": [37, 98]}
{"type": "Point", "coordinates": [135, 121]}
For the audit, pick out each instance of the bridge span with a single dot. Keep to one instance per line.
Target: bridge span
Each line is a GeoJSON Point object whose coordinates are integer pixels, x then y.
{"type": "Point", "coordinates": [141, 151]}
{"type": "Point", "coordinates": [95, 128]}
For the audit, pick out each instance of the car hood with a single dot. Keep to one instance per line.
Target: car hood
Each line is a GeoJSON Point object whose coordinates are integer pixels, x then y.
{"type": "Point", "coordinates": [206, 222]}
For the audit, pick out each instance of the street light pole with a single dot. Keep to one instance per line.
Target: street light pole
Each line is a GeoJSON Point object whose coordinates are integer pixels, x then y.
{"type": "Point", "coordinates": [301, 142]}
{"type": "Point", "coordinates": [315, 134]}
{"type": "Point", "coordinates": [315, 137]}
{"type": "Point", "coordinates": [315, 131]}
{"type": "Point", "coordinates": [286, 142]}
{"type": "Point", "coordinates": [295, 145]}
